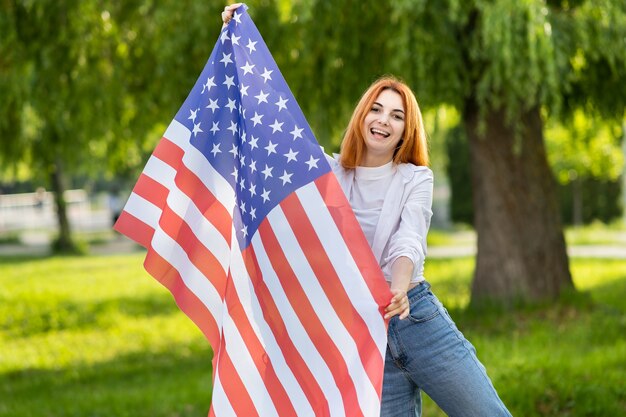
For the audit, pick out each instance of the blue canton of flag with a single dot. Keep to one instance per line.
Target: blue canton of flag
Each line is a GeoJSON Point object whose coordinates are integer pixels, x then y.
{"type": "Point", "coordinates": [247, 123]}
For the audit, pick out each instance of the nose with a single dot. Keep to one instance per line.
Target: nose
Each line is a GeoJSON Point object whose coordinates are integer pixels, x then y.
{"type": "Point", "coordinates": [384, 118]}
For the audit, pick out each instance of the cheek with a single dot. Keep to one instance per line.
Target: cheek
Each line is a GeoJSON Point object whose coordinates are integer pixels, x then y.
{"type": "Point", "coordinates": [399, 129]}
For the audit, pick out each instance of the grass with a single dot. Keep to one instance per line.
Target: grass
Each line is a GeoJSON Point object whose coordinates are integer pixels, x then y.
{"type": "Point", "coordinates": [596, 233]}
{"type": "Point", "coordinates": [96, 336]}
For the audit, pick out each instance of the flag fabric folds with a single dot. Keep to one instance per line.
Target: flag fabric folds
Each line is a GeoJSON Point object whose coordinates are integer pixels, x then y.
{"type": "Point", "coordinates": [246, 225]}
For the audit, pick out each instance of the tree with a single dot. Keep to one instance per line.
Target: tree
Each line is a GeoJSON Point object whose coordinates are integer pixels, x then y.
{"type": "Point", "coordinates": [87, 86]}
{"type": "Point", "coordinates": [505, 66]}
{"type": "Point", "coordinates": [59, 90]}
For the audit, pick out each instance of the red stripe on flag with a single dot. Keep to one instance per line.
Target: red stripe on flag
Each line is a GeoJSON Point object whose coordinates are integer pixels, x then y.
{"type": "Point", "coordinates": [170, 153]}
{"type": "Point", "coordinates": [342, 214]}
{"type": "Point", "coordinates": [176, 228]}
{"type": "Point", "coordinates": [131, 226]}
{"type": "Point", "coordinates": [330, 282]}
{"type": "Point", "coordinates": [300, 303]}
{"type": "Point", "coordinates": [151, 190]}
{"type": "Point", "coordinates": [234, 387]}
{"type": "Point", "coordinates": [277, 392]}
{"type": "Point", "coordinates": [273, 318]}
{"type": "Point", "coordinates": [189, 183]}
{"type": "Point", "coordinates": [186, 300]}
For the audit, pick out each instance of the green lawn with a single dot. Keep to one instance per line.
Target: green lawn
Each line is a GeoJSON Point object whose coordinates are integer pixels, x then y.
{"type": "Point", "coordinates": [597, 233]}
{"type": "Point", "coordinates": [96, 336]}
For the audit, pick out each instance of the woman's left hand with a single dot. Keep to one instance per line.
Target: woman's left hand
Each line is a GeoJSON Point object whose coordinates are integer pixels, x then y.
{"type": "Point", "coordinates": [399, 305]}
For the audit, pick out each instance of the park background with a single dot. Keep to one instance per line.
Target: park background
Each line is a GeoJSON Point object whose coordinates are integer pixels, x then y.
{"type": "Point", "coordinates": [524, 107]}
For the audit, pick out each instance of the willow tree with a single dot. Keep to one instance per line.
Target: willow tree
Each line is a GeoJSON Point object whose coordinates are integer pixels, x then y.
{"type": "Point", "coordinates": [84, 84]}
{"type": "Point", "coordinates": [59, 90]}
{"type": "Point", "coordinates": [505, 66]}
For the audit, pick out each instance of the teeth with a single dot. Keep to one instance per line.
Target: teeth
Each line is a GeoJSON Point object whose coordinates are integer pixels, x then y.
{"type": "Point", "coordinates": [380, 132]}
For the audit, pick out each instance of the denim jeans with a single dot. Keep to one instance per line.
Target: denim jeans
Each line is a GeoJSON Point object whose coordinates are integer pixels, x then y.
{"type": "Point", "coordinates": [426, 351]}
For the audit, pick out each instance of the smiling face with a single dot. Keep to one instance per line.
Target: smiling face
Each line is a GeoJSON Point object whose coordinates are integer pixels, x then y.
{"type": "Point", "coordinates": [383, 128]}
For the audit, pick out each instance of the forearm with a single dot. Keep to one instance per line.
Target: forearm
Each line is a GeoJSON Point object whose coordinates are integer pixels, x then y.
{"type": "Point", "coordinates": [401, 273]}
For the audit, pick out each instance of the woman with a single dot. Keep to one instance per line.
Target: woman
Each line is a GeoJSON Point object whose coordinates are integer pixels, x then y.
{"type": "Point", "coordinates": [382, 168]}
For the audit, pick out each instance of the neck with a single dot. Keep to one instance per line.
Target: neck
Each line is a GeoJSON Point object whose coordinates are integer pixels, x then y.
{"type": "Point", "coordinates": [372, 161]}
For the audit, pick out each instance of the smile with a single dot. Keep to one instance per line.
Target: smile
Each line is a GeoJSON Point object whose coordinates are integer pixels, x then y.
{"type": "Point", "coordinates": [380, 132]}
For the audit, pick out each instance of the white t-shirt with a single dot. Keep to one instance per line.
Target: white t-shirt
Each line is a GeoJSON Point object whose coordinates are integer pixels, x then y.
{"type": "Point", "coordinates": [393, 206]}
{"type": "Point", "coordinates": [368, 194]}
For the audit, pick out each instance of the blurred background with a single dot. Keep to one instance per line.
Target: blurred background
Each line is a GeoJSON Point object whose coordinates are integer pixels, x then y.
{"type": "Point", "coordinates": [524, 105]}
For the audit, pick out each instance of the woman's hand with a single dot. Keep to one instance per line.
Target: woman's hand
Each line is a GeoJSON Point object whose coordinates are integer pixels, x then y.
{"type": "Point", "coordinates": [399, 305]}
{"type": "Point", "coordinates": [227, 14]}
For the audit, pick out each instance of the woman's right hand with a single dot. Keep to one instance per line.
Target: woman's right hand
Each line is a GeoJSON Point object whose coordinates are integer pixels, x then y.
{"type": "Point", "coordinates": [227, 14]}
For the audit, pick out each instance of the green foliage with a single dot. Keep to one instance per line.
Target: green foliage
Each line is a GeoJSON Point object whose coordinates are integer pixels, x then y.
{"type": "Point", "coordinates": [97, 333]}
{"type": "Point", "coordinates": [586, 147]}
{"type": "Point", "coordinates": [585, 158]}
{"type": "Point", "coordinates": [98, 81]}
{"type": "Point", "coordinates": [343, 48]}
{"type": "Point", "coordinates": [459, 176]}
{"type": "Point", "coordinates": [493, 54]}
{"type": "Point", "coordinates": [600, 200]}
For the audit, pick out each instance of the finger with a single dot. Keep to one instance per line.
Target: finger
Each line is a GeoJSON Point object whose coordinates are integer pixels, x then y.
{"type": "Point", "coordinates": [393, 312]}
{"type": "Point", "coordinates": [393, 306]}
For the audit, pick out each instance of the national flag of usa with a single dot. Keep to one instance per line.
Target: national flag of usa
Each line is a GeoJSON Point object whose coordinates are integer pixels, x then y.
{"type": "Point", "coordinates": [247, 226]}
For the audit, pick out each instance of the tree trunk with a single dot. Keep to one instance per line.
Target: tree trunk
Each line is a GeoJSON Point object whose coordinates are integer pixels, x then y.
{"type": "Point", "coordinates": [577, 202]}
{"type": "Point", "coordinates": [521, 250]}
{"type": "Point", "coordinates": [64, 242]}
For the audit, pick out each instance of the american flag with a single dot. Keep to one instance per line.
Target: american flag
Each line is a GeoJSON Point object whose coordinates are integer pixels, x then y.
{"type": "Point", "coordinates": [246, 225]}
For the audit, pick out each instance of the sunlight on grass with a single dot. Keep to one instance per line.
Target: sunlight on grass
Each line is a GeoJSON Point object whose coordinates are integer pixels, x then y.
{"type": "Point", "coordinates": [597, 233]}
{"type": "Point", "coordinates": [438, 237]}
{"type": "Point", "coordinates": [450, 280]}
{"type": "Point", "coordinates": [69, 311]}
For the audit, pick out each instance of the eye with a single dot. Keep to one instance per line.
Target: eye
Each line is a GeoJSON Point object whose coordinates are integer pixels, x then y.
{"type": "Point", "coordinates": [375, 109]}
{"type": "Point", "coordinates": [398, 116]}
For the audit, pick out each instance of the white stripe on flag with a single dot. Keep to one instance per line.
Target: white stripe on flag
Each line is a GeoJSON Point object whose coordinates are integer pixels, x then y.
{"type": "Point", "coordinates": [197, 162]}
{"type": "Point", "coordinates": [306, 348]}
{"type": "Point", "coordinates": [170, 250]}
{"type": "Point", "coordinates": [250, 303]}
{"type": "Point", "coordinates": [366, 394]}
{"type": "Point", "coordinates": [246, 368]}
{"type": "Point", "coordinates": [219, 400]}
{"type": "Point", "coordinates": [186, 209]}
{"type": "Point", "coordinates": [144, 210]}
{"type": "Point", "coordinates": [344, 264]}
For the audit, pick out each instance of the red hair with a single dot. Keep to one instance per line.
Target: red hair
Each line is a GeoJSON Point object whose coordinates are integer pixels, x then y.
{"type": "Point", "coordinates": [412, 148]}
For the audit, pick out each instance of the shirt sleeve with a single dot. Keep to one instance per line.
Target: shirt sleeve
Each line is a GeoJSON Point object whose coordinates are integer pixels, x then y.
{"type": "Point", "coordinates": [410, 238]}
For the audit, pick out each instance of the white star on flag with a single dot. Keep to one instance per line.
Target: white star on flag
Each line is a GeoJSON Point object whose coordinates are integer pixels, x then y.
{"type": "Point", "coordinates": [277, 127]}
{"type": "Point", "coordinates": [266, 75]}
{"type": "Point", "coordinates": [281, 103]}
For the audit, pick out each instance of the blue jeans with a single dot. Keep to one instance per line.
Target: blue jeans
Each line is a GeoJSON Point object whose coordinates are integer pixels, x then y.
{"type": "Point", "coordinates": [426, 351]}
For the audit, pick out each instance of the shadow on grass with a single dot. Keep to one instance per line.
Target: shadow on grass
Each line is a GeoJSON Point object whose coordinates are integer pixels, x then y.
{"type": "Point", "coordinates": [26, 320]}
{"type": "Point", "coordinates": [597, 316]}
{"type": "Point", "coordinates": [23, 259]}
{"type": "Point", "coordinates": [176, 383]}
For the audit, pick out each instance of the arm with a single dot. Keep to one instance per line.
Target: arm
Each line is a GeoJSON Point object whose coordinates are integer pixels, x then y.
{"type": "Point", "coordinates": [402, 272]}
{"type": "Point", "coordinates": [407, 246]}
